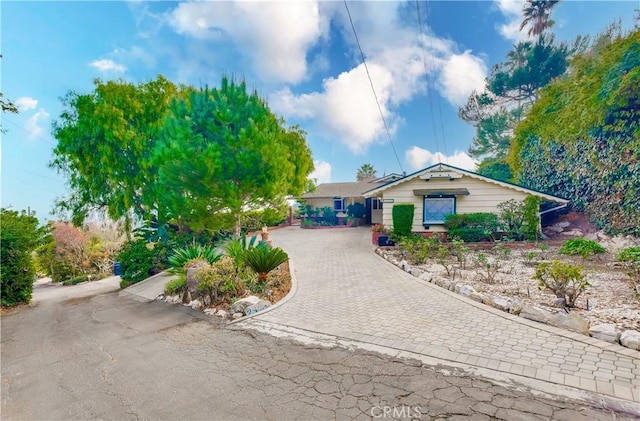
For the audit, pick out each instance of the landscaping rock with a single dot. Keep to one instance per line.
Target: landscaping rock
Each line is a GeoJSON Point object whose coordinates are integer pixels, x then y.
{"type": "Point", "coordinates": [574, 233]}
{"type": "Point", "coordinates": [605, 332]}
{"type": "Point", "coordinates": [241, 305]}
{"type": "Point", "coordinates": [571, 321]}
{"type": "Point", "coordinates": [417, 272]}
{"type": "Point", "coordinates": [257, 307]}
{"type": "Point", "coordinates": [425, 276]}
{"type": "Point", "coordinates": [476, 297]}
{"type": "Point", "coordinates": [236, 315]}
{"type": "Point", "coordinates": [195, 304]}
{"type": "Point", "coordinates": [554, 229]}
{"type": "Point", "coordinates": [405, 265]}
{"type": "Point", "coordinates": [209, 311]}
{"type": "Point", "coordinates": [221, 313]}
{"type": "Point", "coordinates": [191, 290]}
{"type": "Point", "coordinates": [630, 339]}
{"type": "Point", "coordinates": [499, 303]}
{"type": "Point", "coordinates": [465, 290]}
{"type": "Point", "coordinates": [535, 314]}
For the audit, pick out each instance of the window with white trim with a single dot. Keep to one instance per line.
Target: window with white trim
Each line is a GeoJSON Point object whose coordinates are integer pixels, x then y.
{"type": "Point", "coordinates": [436, 208]}
{"type": "Point", "coordinates": [376, 203]}
{"type": "Point", "coordinates": [339, 204]}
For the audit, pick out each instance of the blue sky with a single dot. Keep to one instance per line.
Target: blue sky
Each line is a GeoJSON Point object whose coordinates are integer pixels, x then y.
{"type": "Point", "coordinates": [302, 56]}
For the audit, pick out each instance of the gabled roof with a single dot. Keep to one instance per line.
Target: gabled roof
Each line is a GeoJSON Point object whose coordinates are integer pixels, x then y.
{"type": "Point", "coordinates": [347, 189]}
{"type": "Point", "coordinates": [445, 167]}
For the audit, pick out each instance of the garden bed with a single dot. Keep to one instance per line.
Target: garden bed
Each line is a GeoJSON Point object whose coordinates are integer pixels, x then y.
{"type": "Point", "coordinates": [509, 284]}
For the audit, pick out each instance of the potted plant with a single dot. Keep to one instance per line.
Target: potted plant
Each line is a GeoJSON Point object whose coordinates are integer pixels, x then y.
{"type": "Point", "coordinates": [376, 230]}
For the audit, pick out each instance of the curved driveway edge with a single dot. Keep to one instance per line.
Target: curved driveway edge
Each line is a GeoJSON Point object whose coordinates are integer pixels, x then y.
{"type": "Point", "coordinates": [346, 291]}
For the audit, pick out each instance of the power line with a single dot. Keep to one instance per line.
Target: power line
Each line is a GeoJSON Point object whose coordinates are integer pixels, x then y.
{"type": "Point", "coordinates": [366, 68]}
{"type": "Point", "coordinates": [426, 77]}
{"type": "Point", "coordinates": [438, 101]}
{"type": "Point", "coordinates": [30, 132]}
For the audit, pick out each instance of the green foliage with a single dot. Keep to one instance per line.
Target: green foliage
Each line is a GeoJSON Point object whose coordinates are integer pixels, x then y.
{"type": "Point", "coordinates": [402, 215]}
{"type": "Point", "coordinates": [531, 217]}
{"type": "Point", "coordinates": [445, 258]}
{"type": "Point", "coordinates": [488, 269]}
{"type": "Point", "coordinates": [365, 171]}
{"type": "Point", "coordinates": [264, 258]}
{"type": "Point", "coordinates": [219, 280]}
{"type": "Point", "coordinates": [356, 210]}
{"type": "Point", "coordinates": [418, 248]}
{"type": "Point", "coordinates": [136, 260]}
{"type": "Point", "coordinates": [565, 280]}
{"type": "Point", "coordinates": [19, 237]}
{"type": "Point", "coordinates": [236, 248]}
{"type": "Point", "coordinates": [222, 152]}
{"type": "Point", "coordinates": [184, 255]}
{"type": "Point", "coordinates": [269, 217]}
{"type": "Point", "coordinates": [176, 286]}
{"type": "Point", "coordinates": [472, 227]}
{"type": "Point", "coordinates": [105, 140]}
{"type": "Point", "coordinates": [495, 168]}
{"type": "Point", "coordinates": [76, 280]}
{"type": "Point", "coordinates": [628, 254]}
{"type": "Point", "coordinates": [581, 139]}
{"type": "Point", "coordinates": [459, 251]}
{"type": "Point", "coordinates": [581, 247]}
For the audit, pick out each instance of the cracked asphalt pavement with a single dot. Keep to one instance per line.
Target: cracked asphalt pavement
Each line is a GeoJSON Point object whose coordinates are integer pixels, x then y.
{"type": "Point", "coordinates": [86, 356]}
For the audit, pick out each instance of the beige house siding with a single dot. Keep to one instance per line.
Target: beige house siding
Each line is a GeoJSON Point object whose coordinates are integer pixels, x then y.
{"type": "Point", "coordinates": [483, 196]}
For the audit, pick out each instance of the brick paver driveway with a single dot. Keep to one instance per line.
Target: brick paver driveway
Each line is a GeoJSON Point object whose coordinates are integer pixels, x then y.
{"type": "Point", "coordinates": [346, 290]}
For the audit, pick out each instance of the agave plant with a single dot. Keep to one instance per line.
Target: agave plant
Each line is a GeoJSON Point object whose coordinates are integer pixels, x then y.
{"type": "Point", "coordinates": [236, 247]}
{"type": "Point", "coordinates": [183, 255]}
{"type": "Point", "coordinates": [263, 259]}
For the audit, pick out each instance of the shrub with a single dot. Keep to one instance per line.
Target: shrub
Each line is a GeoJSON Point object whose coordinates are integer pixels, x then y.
{"type": "Point", "coordinates": [184, 255]}
{"type": "Point", "coordinates": [531, 218]}
{"type": "Point", "coordinates": [459, 251]}
{"type": "Point", "coordinates": [76, 280]}
{"type": "Point", "coordinates": [629, 254]}
{"type": "Point", "coordinates": [402, 215]}
{"type": "Point", "coordinates": [565, 280]}
{"type": "Point", "coordinates": [472, 227]}
{"type": "Point", "coordinates": [264, 258]}
{"type": "Point", "coordinates": [328, 216]}
{"type": "Point", "coordinates": [218, 280]}
{"type": "Point", "coordinates": [488, 269]}
{"type": "Point", "coordinates": [419, 248]}
{"type": "Point", "coordinates": [236, 247]}
{"type": "Point", "coordinates": [356, 210]}
{"type": "Point", "coordinates": [582, 247]}
{"type": "Point", "coordinates": [176, 286]}
{"type": "Point", "coordinates": [19, 235]}
{"type": "Point", "coordinates": [136, 261]}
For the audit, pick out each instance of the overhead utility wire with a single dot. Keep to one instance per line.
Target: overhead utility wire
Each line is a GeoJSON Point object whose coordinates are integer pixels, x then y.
{"type": "Point", "coordinates": [426, 78]}
{"type": "Point", "coordinates": [372, 88]}
{"type": "Point", "coordinates": [444, 139]}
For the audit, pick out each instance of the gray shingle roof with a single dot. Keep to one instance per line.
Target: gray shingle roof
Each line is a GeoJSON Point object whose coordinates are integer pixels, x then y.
{"type": "Point", "coordinates": [348, 189]}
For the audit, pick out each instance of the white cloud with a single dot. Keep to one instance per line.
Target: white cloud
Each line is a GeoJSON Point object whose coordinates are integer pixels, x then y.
{"type": "Point", "coordinates": [321, 173]}
{"type": "Point", "coordinates": [106, 65]}
{"type": "Point", "coordinates": [419, 158]}
{"type": "Point", "coordinates": [345, 108]}
{"type": "Point", "coordinates": [512, 11]}
{"type": "Point", "coordinates": [32, 125]}
{"type": "Point", "coordinates": [275, 35]}
{"type": "Point", "coordinates": [26, 103]}
{"type": "Point", "coordinates": [461, 74]}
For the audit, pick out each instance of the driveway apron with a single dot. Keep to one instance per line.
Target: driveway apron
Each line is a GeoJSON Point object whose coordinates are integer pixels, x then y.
{"type": "Point", "coordinates": [346, 290]}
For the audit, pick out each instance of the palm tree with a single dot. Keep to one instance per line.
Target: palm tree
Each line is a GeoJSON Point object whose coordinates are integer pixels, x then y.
{"type": "Point", "coordinates": [365, 171]}
{"type": "Point", "coordinates": [537, 13]}
{"type": "Point", "coordinates": [517, 57]}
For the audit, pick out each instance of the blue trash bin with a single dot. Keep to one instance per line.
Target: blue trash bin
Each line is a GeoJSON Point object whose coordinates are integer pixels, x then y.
{"type": "Point", "coordinates": [116, 268]}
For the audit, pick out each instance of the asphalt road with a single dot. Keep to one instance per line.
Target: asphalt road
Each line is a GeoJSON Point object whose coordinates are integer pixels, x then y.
{"type": "Point", "coordinates": [83, 352]}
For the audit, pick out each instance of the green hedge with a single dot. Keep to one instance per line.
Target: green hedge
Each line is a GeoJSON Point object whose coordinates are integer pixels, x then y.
{"type": "Point", "coordinates": [136, 261]}
{"type": "Point", "coordinates": [402, 214]}
{"type": "Point", "coordinates": [472, 227]}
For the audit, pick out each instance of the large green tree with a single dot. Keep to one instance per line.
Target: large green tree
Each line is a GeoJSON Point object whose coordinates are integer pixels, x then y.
{"type": "Point", "coordinates": [581, 139]}
{"type": "Point", "coordinates": [19, 237]}
{"type": "Point", "coordinates": [222, 152]}
{"type": "Point", "coordinates": [105, 143]}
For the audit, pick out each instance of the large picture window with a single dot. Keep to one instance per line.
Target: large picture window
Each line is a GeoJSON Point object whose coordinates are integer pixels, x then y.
{"type": "Point", "coordinates": [338, 204]}
{"type": "Point", "coordinates": [437, 208]}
